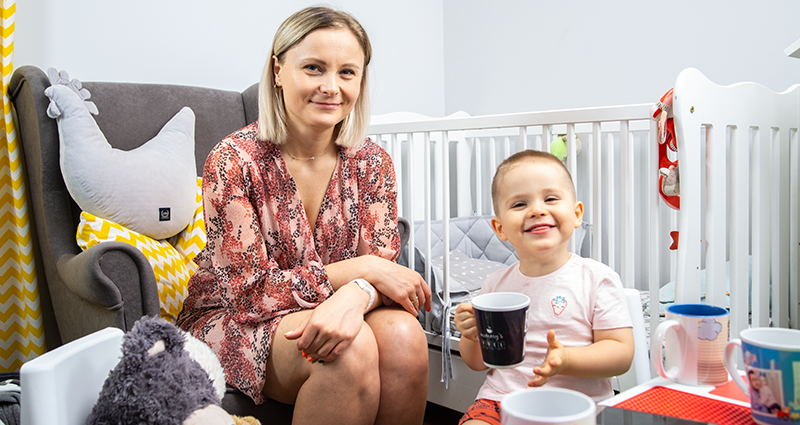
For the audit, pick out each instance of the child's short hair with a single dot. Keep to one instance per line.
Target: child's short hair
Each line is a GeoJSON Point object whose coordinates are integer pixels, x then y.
{"type": "Point", "coordinates": [528, 154]}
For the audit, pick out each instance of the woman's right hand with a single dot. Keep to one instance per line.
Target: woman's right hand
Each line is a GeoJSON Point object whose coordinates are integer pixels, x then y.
{"type": "Point", "coordinates": [332, 325]}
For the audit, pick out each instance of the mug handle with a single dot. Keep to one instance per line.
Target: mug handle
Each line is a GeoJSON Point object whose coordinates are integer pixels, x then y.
{"type": "Point", "coordinates": [730, 365]}
{"type": "Point", "coordinates": [657, 349]}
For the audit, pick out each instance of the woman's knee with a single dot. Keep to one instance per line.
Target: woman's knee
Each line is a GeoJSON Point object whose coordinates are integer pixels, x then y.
{"type": "Point", "coordinates": [400, 339]}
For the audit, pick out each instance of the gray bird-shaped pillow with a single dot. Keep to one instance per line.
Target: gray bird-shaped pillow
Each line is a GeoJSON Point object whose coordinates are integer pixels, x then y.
{"type": "Point", "coordinates": [150, 189]}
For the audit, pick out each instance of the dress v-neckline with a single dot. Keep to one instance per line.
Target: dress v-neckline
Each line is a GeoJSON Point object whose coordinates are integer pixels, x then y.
{"type": "Point", "coordinates": [325, 196]}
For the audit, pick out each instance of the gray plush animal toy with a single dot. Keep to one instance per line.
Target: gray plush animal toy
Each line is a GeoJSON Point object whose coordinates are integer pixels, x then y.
{"type": "Point", "coordinates": [157, 382]}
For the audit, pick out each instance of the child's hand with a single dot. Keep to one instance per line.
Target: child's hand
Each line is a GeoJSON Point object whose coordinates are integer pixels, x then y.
{"type": "Point", "coordinates": [465, 321]}
{"type": "Point", "coordinates": [556, 361]}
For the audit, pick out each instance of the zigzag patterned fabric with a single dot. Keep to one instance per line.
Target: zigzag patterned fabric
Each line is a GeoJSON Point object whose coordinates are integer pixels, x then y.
{"type": "Point", "coordinates": [21, 329]}
{"type": "Point", "coordinates": [192, 239]}
{"type": "Point", "coordinates": [171, 259]}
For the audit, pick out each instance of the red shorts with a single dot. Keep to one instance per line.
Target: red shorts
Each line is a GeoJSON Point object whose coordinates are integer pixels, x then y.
{"type": "Point", "coordinates": [483, 410]}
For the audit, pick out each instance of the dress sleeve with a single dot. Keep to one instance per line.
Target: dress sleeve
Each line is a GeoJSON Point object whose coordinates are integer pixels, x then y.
{"type": "Point", "coordinates": [378, 207]}
{"type": "Point", "coordinates": [245, 250]}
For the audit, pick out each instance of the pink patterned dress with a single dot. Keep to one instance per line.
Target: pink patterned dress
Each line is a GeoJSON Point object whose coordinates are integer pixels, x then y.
{"type": "Point", "coordinates": [262, 259]}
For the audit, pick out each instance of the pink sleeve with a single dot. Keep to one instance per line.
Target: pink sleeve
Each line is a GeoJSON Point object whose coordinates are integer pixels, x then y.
{"type": "Point", "coordinates": [611, 306]}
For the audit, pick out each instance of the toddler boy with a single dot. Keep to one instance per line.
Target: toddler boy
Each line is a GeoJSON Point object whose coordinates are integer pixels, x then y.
{"type": "Point", "coordinates": [579, 330]}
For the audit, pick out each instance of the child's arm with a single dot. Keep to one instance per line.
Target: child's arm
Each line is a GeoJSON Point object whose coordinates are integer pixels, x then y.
{"type": "Point", "coordinates": [469, 346]}
{"type": "Point", "coordinates": [609, 355]}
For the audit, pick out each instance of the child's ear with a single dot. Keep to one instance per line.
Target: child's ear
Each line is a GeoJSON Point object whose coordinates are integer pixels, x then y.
{"type": "Point", "coordinates": [497, 226]}
{"type": "Point", "coordinates": [578, 214]}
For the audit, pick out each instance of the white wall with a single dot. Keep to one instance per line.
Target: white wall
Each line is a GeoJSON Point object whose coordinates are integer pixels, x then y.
{"type": "Point", "coordinates": [225, 44]}
{"type": "Point", "coordinates": [515, 56]}
{"type": "Point", "coordinates": [432, 57]}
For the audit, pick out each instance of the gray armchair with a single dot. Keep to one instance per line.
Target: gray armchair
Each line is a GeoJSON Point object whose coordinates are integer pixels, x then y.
{"type": "Point", "coordinates": [112, 284]}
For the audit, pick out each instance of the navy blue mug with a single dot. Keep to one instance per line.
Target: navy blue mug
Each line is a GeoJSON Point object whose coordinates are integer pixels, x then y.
{"type": "Point", "coordinates": [501, 321]}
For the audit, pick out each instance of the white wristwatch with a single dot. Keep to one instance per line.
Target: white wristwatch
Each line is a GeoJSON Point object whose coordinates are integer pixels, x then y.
{"type": "Point", "coordinates": [369, 289]}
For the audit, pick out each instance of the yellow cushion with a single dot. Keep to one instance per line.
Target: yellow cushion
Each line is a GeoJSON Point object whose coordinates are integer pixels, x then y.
{"type": "Point", "coordinates": [192, 239]}
{"type": "Point", "coordinates": [171, 259]}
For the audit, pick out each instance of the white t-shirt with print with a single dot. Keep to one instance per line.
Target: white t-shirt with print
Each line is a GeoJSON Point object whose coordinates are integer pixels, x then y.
{"type": "Point", "coordinates": [582, 296]}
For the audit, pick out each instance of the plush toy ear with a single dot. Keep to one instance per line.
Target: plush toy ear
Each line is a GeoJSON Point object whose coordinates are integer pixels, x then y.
{"type": "Point", "coordinates": [146, 333]}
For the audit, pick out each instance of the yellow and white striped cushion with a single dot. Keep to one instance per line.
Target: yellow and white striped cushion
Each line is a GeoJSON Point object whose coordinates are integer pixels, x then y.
{"type": "Point", "coordinates": [171, 259]}
{"type": "Point", "coordinates": [192, 239]}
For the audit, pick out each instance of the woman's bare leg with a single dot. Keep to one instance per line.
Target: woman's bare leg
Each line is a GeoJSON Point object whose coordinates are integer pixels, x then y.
{"type": "Point", "coordinates": [345, 391]}
{"type": "Point", "coordinates": [403, 354]}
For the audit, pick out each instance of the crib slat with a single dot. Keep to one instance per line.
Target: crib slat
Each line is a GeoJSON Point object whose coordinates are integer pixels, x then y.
{"type": "Point", "coordinates": [611, 227]}
{"type": "Point", "coordinates": [794, 229]}
{"type": "Point", "coordinates": [572, 166]}
{"type": "Point", "coordinates": [739, 228]}
{"type": "Point", "coordinates": [478, 185]}
{"type": "Point", "coordinates": [761, 214]}
{"type": "Point", "coordinates": [627, 213]}
{"type": "Point", "coordinates": [780, 225]}
{"type": "Point", "coordinates": [654, 237]}
{"type": "Point", "coordinates": [716, 226]}
{"type": "Point", "coordinates": [597, 196]}
{"type": "Point", "coordinates": [445, 164]}
{"type": "Point", "coordinates": [426, 146]}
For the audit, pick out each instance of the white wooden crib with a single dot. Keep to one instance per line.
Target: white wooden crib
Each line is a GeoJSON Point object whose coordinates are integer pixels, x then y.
{"type": "Point", "coordinates": [738, 157]}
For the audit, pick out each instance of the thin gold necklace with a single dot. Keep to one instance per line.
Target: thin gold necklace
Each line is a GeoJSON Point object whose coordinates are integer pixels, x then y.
{"type": "Point", "coordinates": [306, 159]}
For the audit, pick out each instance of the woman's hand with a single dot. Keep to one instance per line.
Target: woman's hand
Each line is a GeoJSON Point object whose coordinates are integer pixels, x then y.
{"type": "Point", "coordinates": [332, 325]}
{"type": "Point", "coordinates": [398, 283]}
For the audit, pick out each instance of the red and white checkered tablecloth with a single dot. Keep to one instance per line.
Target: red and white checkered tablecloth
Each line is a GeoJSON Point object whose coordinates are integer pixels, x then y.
{"type": "Point", "coordinates": [669, 402]}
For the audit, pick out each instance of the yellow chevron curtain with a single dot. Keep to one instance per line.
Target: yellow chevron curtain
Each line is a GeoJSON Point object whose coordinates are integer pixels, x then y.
{"type": "Point", "coordinates": [21, 327]}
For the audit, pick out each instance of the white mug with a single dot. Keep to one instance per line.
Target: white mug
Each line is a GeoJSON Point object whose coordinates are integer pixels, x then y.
{"type": "Point", "coordinates": [772, 364]}
{"type": "Point", "coordinates": [695, 351]}
{"type": "Point", "coordinates": [547, 406]}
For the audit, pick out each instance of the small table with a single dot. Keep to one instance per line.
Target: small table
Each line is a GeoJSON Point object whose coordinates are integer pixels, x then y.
{"type": "Point", "coordinates": [725, 404]}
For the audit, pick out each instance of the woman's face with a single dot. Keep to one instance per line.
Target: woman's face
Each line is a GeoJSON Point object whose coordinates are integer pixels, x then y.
{"type": "Point", "coordinates": [321, 81]}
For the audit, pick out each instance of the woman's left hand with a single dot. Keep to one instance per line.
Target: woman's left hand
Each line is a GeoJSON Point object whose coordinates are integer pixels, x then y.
{"type": "Point", "coordinates": [332, 325]}
{"type": "Point", "coordinates": [398, 283]}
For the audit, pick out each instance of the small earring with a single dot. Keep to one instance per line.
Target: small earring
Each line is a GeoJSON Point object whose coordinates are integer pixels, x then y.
{"type": "Point", "coordinates": [278, 88]}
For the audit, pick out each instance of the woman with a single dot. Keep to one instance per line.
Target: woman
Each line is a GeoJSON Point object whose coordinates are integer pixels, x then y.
{"type": "Point", "coordinates": [297, 290]}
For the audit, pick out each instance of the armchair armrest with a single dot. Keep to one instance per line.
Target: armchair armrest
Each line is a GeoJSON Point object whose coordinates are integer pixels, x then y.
{"type": "Point", "coordinates": [113, 285]}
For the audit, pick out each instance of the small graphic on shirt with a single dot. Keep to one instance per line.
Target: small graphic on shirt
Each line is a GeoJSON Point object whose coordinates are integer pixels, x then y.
{"type": "Point", "coordinates": [559, 304]}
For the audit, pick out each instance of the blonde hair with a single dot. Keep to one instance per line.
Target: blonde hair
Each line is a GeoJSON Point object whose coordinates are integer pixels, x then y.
{"type": "Point", "coordinates": [272, 124]}
{"type": "Point", "coordinates": [530, 155]}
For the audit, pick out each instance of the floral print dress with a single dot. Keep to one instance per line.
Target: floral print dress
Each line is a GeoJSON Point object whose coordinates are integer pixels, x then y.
{"type": "Point", "coordinates": [262, 260]}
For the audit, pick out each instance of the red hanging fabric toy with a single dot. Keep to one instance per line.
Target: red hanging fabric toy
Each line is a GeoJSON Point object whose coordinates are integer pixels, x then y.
{"type": "Point", "coordinates": [668, 180]}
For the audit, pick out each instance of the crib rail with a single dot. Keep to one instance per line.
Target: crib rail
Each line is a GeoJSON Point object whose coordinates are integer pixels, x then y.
{"type": "Point", "coordinates": [444, 168]}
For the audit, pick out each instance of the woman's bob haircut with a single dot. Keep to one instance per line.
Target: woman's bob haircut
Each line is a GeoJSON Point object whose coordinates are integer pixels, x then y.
{"type": "Point", "coordinates": [271, 112]}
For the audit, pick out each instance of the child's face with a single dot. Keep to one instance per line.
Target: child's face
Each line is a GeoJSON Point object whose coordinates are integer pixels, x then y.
{"type": "Point", "coordinates": [756, 382]}
{"type": "Point", "coordinates": [536, 210]}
